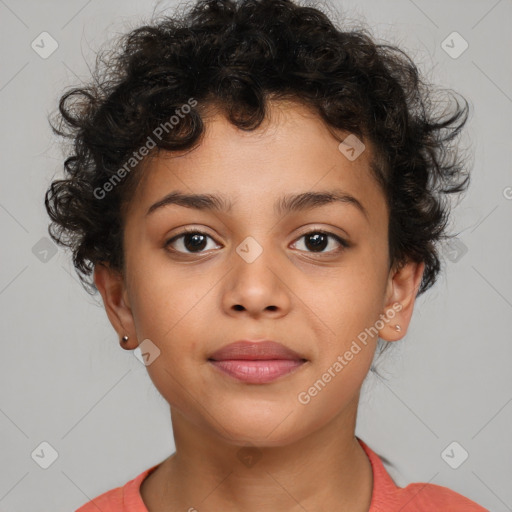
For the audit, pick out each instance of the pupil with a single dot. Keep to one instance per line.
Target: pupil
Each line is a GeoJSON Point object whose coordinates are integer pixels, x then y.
{"type": "Point", "coordinates": [197, 243]}
{"type": "Point", "coordinates": [319, 240]}
{"type": "Point", "coordinates": [316, 241]}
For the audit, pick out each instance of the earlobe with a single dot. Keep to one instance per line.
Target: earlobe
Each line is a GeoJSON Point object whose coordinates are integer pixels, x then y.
{"type": "Point", "coordinates": [403, 286]}
{"type": "Point", "coordinates": [111, 285]}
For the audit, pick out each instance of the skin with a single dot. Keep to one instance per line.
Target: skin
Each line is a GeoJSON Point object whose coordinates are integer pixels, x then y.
{"type": "Point", "coordinates": [316, 303]}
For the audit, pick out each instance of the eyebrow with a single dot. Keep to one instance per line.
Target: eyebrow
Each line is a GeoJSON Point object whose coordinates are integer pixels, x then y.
{"type": "Point", "coordinates": [284, 205]}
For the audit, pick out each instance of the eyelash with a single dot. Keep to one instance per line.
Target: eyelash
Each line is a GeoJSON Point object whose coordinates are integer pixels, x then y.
{"type": "Point", "coordinates": [344, 244]}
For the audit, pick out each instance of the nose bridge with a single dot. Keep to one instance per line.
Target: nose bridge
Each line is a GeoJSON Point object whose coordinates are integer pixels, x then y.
{"type": "Point", "coordinates": [255, 284]}
{"type": "Point", "coordinates": [253, 262]}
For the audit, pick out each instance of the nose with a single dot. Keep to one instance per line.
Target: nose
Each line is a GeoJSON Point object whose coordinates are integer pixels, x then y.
{"type": "Point", "coordinates": [256, 288]}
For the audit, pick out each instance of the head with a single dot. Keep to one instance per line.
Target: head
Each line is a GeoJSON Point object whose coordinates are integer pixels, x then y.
{"type": "Point", "coordinates": [315, 170]}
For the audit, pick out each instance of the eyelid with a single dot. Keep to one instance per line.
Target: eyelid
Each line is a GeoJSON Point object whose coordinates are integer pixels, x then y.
{"type": "Point", "coordinates": [184, 231]}
{"type": "Point", "coordinates": [341, 240]}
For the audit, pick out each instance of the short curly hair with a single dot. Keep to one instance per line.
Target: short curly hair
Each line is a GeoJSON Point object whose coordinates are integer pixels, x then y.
{"type": "Point", "coordinates": [236, 56]}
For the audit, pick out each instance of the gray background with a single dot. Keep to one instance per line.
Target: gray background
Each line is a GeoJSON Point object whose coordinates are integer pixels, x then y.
{"type": "Point", "coordinates": [66, 381]}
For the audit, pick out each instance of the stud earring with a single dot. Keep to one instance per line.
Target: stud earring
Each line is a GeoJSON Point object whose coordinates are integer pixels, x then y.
{"type": "Point", "coordinates": [398, 328]}
{"type": "Point", "coordinates": [124, 339]}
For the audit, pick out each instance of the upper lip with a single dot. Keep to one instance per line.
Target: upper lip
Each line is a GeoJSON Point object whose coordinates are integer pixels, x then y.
{"type": "Point", "coordinates": [255, 350]}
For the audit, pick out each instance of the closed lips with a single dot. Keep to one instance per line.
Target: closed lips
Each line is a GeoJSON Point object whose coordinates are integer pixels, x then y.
{"type": "Point", "coordinates": [254, 351]}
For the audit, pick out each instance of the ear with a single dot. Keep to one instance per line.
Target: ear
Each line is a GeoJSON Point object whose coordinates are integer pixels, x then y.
{"type": "Point", "coordinates": [111, 285]}
{"type": "Point", "coordinates": [402, 288]}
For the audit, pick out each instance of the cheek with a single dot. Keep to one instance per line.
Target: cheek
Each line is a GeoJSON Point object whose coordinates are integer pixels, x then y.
{"type": "Point", "coordinates": [340, 368]}
{"type": "Point", "coordinates": [173, 320]}
{"type": "Point", "coordinates": [348, 302]}
{"type": "Point", "coordinates": [169, 314]}
{"type": "Point", "coordinates": [165, 297]}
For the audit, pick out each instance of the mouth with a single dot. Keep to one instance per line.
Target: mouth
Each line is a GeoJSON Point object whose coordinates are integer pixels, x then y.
{"type": "Point", "coordinates": [256, 362]}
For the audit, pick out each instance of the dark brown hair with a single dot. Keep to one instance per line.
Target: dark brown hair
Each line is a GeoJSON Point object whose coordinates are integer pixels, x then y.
{"type": "Point", "coordinates": [236, 56]}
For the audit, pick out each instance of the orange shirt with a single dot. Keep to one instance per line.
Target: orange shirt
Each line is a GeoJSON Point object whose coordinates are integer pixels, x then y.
{"type": "Point", "coordinates": [386, 496]}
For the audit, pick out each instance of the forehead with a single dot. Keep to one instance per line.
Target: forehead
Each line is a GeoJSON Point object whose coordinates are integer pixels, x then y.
{"type": "Point", "coordinates": [292, 151]}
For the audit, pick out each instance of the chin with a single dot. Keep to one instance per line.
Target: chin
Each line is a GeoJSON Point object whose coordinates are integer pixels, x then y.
{"type": "Point", "coordinates": [273, 429]}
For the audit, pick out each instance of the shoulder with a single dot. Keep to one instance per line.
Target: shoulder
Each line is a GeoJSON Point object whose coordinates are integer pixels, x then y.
{"type": "Point", "coordinates": [419, 497]}
{"type": "Point", "coordinates": [125, 498]}
{"type": "Point", "coordinates": [416, 497]}
{"type": "Point", "coordinates": [109, 501]}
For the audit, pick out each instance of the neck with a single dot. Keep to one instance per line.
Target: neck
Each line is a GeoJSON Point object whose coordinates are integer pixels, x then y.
{"type": "Point", "coordinates": [326, 470]}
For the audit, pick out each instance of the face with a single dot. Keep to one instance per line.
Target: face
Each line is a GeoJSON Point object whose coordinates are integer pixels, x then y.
{"type": "Point", "coordinates": [312, 277]}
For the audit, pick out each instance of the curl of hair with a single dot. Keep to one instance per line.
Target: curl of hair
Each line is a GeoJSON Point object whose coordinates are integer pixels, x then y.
{"type": "Point", "coordinates": [236, 56]}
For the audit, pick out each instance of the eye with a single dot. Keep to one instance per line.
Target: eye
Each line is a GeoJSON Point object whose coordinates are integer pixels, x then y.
{"type": "Point", "coordinates": [192, 240]}
{"type": "Point", "coordinates": [317, 241]}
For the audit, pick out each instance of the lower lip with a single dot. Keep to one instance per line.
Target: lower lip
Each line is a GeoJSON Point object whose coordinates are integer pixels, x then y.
{"type": "Point", "coordinates": [257, 371]}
